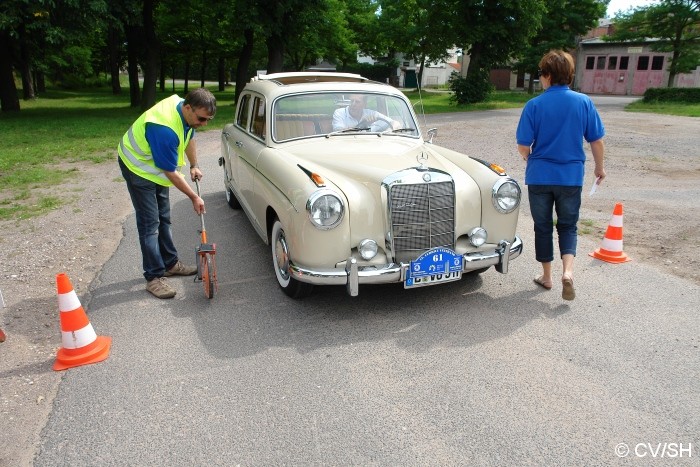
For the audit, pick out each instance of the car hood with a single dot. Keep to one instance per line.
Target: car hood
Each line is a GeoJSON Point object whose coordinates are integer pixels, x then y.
{"type": "Point", "coordinates": [366, 159]}
{"type": "Point", "coordinates": [357, 165]}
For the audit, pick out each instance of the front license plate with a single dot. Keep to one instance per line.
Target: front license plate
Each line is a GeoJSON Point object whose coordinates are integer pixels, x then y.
{"type": "Point", "coordinates": [434, 267]}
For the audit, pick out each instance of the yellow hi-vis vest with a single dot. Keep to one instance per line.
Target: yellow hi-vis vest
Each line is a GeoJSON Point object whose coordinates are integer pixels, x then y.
{"type": "Point", "coordinates": [135, 151]}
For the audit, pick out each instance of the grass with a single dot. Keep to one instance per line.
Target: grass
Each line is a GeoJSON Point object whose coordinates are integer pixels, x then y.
{"type": "Point", "coordinates": [666, 108]}
{"type": "Point", "coordinates": [586, 226]}
{"type": "Point", "coordinates": [46, 142]}
{"type": "Point", "coordinates": [439, 102]}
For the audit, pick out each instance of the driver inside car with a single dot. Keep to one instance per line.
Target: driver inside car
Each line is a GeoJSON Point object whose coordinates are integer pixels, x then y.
{"type": "Point", "coordinates": [356, 115]}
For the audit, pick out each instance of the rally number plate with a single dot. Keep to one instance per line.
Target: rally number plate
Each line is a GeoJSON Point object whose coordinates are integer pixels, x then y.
{"type": "Point", "coordinates": [434, 267]}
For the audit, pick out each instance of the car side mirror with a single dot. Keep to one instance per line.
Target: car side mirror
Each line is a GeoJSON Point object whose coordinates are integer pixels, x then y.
{"type": "Point", "coordinates": [432, 133]}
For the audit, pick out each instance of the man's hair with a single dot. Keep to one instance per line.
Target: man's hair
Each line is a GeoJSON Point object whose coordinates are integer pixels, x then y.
{"type": "Point", "coordinates": [201, 98]}
{"type": "Point", "coordinates": [558, 66]}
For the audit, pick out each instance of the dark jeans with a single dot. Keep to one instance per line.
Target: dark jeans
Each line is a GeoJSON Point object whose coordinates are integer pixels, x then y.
{"type": "Point", "coordinates": [152, 206]}
{"type": "Point", "coordinates": [566, 201]}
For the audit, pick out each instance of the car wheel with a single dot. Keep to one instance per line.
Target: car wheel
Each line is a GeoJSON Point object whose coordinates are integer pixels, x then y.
{"type": "Point", "coordinates": [230, 197]}
{"type": "Point", "coordinates": [280, 263]}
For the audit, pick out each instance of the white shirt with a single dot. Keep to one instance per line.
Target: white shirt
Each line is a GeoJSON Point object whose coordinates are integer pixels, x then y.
{"type": "Point", "coordinates": [342, 118]}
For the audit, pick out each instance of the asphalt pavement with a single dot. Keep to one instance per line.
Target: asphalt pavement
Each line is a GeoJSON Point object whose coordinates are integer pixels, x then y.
{"type": "Point", "coordinates": [490, 370]}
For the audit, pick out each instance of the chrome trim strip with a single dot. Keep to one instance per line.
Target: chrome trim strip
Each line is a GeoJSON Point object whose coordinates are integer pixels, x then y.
{"type": "Point", "coordinates": [353, 275]}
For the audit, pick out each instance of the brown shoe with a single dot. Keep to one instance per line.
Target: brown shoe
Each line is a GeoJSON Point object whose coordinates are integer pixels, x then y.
{"type": "Point", "coordinates": [181, 270]}
{"type": "Point", "coordinates": [160, 288]}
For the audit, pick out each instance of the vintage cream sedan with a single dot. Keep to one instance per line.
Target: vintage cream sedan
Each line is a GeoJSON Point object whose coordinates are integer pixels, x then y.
{"type": "Point", "coordinates": [333, 172]}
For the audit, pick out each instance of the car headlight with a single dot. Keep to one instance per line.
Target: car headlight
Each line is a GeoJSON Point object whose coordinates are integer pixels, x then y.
{"type": "Point", "coordinates": [325, 209]}
{"type": "Point", "coordinates": [506, 195]}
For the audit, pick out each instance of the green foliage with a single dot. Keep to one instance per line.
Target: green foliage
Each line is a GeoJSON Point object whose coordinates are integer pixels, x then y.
{"type": "Point", "coordinates": [476, 87]}
{"type": "Point", "coordinates": [679, 95]}
{"type": "Point", "coordinates": [493, 32]}
{"type": "Point", "coordinates": [563, 22]}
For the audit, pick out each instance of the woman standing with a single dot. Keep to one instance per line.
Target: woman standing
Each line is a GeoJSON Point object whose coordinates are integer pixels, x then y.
{"type": "Point", "coordinates": [550, 138]}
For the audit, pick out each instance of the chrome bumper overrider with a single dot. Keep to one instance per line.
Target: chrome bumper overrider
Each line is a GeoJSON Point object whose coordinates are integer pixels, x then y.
{"type": "Point", "coordinates": [354, 275]}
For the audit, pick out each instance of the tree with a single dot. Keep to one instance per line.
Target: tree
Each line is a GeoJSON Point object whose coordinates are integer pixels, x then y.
{"type": "Point", "coordinates": [562, 23]}
{"type": "Point", "coordinates": [56, 37]}
{"type": "Point", "coordinates": [415, 27]}
{"type": "Point", "coordinates": [492, 32]}
{"type": "Point", "coordinates": [673, 26]}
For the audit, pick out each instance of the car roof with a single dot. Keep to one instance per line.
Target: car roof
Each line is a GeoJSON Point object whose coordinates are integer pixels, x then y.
{"type": "Point", "coordinates": [299, 77]}
{"type": "Point", "coordinates": [279, 84]}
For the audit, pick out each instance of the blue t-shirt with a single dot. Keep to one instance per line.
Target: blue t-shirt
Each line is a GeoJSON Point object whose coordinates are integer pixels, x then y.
{"type": "Point", "coordinates": [164, 143]}
{"type": "Point", "coordinates": [555, 123]}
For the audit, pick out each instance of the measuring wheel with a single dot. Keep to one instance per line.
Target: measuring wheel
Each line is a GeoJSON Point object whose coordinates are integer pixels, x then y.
{"type": "Point", "coordinates": [206, 264]}
{"type": "Point", "coordinates": [206, 268]}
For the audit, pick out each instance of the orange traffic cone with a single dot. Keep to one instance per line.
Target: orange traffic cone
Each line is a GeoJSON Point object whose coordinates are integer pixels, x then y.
{"type": "Point", "coordinates": [2, 335]}
{"type": "Point", "coordinates": [80, 343]}
{"type": "Point", "coordinates": [611, 249]}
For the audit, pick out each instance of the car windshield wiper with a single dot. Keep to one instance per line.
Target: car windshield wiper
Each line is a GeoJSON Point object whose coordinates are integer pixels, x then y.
{"type": "Point", "coordinates": [402, 130]}
{"type": "Point", "coordinates": [347, 130]}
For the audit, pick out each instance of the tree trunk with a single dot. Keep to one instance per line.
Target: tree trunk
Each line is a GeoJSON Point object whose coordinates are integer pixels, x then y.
{"type": "Point", "coordinates": [113, 46]}
{"type": "Point", "coordinates": [187, 74]}
{"type": "Point", "coordinates": [132, 47]}
{"type": "Point", "coordinates": [161, 80]}
{"type": "Point", "coordinates": [531, 83]}
{"type": "Point", "coordinates": [474, 58]}
{"type": "Point", "coordinates": [25, 65]}
{"type": "Point", "coordinates": [420, 73]}
{"type": "Point", "coordinates": [8, 91]}
{"type": "Point", "coordinates": [244, 58]}
{"type": "Point", "coordinates": [203, 71]}
{"type": "Point", "coordinates": [150, 69]}
{"type": "Point", "coordinates": [221, 72]}
{"type": "Point", "coordinates": [275, 53]}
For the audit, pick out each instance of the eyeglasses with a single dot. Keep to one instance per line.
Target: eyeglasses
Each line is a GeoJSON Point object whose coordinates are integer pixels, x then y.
{"type": "Point", "coordinates": [203, 119]}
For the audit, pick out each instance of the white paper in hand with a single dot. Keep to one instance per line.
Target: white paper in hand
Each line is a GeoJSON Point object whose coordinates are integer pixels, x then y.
{"type": "Point", "coordinates": [594, 187]}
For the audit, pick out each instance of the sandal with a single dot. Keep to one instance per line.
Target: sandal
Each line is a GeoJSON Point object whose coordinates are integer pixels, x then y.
{"type": "Point", "coordinates": [542, 283]}
{"type": "Point", "coordinates": [567, 292]}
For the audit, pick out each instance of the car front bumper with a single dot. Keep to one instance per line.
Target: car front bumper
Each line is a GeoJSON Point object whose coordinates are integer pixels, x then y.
{"type": "Point", "coordinates": [354, 275]}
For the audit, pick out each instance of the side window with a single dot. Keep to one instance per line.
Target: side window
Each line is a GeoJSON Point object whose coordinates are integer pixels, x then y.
{"type": "Point", "coordinates": [624, 63]}
{"type": "Point", "coordinates": [590, 62]}
{"type": "Point", "coordinates": [657, 63]}
{"type": "Point", "coordinates": [243, 111]}
{"type": "Point", "coordinates": [643, 62]}
{"type": "Point", "coordinates": [257, 126]}
{"type": "Point", "coordinates": [612, 63]}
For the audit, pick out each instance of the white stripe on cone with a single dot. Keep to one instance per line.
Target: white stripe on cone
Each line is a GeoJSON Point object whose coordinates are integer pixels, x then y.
{"type": "Point", "coordinates": [68, 301]}
{"type": "Point", "coordinates": [611, 245]}
{"type": "Point", "coordinates": [79, 338]}
{"type": "Point", "coordinates": [616, 221]}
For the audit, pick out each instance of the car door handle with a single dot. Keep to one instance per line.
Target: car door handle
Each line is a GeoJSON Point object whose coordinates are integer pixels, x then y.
{"type": "Point", "coordinates": [239, 144]}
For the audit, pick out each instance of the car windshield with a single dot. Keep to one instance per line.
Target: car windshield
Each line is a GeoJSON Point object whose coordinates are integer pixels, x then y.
{"type": "Point", "coordinates": [327, 114]}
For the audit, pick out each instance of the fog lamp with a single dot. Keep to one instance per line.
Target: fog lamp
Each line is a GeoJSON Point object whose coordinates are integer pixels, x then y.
{"type": "Point", "coordinates": [367, 249]}
{"type": "Point", "coordinates": [477, 236]}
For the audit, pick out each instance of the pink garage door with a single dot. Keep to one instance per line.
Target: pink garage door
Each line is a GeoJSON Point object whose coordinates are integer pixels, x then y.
{"type": "Point", "coordinates": [649, 73]}
{"type": "Point", "coordinates": [605, 74]}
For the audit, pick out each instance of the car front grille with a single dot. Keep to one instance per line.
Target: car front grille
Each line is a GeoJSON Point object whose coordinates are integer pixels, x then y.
{"type": "Point", "coordinates": [422, 218]}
